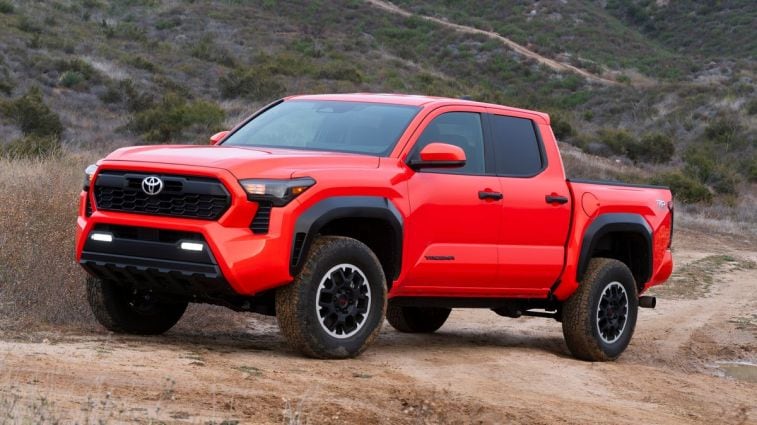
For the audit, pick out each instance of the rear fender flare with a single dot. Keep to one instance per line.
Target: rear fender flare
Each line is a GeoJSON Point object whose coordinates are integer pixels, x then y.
{"type": "Point", "coordinates": [611, 223]}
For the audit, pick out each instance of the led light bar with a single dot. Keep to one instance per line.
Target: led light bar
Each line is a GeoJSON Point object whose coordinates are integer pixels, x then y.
{"type": "Point", "coordinates": [101, 237]}
{"type": "Point", "coordinates": [192, 246]}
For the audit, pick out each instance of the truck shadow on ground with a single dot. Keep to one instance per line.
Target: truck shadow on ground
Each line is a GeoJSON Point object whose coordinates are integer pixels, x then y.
{"type": "Point", "coordinates": [389, 341]}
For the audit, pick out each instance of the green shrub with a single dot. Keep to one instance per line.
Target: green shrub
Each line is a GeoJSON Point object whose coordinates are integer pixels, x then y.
{"type": "Point", "coordinates": [26, 24]}
{"type": "Point", "coordinates": [705, 165]}
{"type": "Point", "coordinates": [250, 83]}
{"type": "Point", "coordinates": [31, 114]}
{"type": "Point", "coordinates": [6, 86]}
{"type": "Point", "coordinates": [700, 163]}
{"type": "Point", "coordinates": [340, 71]}
{"type": "Point", "coordinates": [6, 7]}
{"type": "Point", "coordinates": [71, 79]}
{"type": "Point", "coordinates": [751, 107]}
{"type": "Point", "coordinates": [751, 169]}
{"type": "Point", "coordinates": [76, 74]}
{"type": "Point", "coordinates": [207, 49]}
{"type": "Point", "coordinates": [618, 141]}
{"type": "Point", "coordinates": [655, 148]}
{"type": "Point", "coordinates": [561, 127]}
{"type": "Point", "coordinates": [166, 120]}
{"type": "Point", "coordinates": [684, 188]}
{"type": "Point", "coordinates": [725, 131]}
{"type": "Point", "coordinates": [32, 147]}
{"type": "Point", "coordinates": [142, 63]}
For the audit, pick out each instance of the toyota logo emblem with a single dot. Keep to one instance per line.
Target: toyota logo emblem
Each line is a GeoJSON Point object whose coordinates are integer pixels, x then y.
{"type": "Point", "coordinates": [152, 185]}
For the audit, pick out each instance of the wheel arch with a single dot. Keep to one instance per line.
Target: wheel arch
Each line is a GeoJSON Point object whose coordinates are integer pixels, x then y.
{"type": "Point", "coordinates": [373, 220]}
{"type": "Point", "coordinates": [623, 236]}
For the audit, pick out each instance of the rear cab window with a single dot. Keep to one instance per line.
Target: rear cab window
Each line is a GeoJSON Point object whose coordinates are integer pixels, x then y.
{"type": "Point", "coordinates": [518, 148]}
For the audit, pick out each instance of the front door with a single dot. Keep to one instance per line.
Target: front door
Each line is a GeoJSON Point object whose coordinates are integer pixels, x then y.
{"type": "Point", "coordinates": [455, 214]}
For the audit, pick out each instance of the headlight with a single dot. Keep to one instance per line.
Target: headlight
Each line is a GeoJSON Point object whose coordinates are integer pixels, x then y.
{"type": "Point", "coordinates": [89, 172]}
{"type": "Point", "coordinates": [278, 192]}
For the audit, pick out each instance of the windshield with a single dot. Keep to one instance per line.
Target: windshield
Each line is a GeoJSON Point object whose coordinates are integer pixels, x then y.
{"type": "Point", "coordinates": [355, 127]}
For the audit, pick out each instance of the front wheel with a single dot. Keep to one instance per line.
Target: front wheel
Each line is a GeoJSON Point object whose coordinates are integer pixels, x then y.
{"type": "Point", "coordinates": [600, 317]}
{"type": "Point", "coordinates": [336, 304]}
{"type": "Point", "coordinates": [122, 309]}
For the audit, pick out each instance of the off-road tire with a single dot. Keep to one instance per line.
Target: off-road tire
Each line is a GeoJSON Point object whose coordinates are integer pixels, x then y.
{"type": "Point", "coordinates": [580, 319]}
{"type": "Point", "coordinates": [114, 307]}
{"type": "Point", "coordinates": [416, 319]}
{"type": "Point", "coordinates": [296, 304]}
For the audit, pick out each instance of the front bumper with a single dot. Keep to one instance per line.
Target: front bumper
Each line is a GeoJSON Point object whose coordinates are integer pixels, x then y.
{"type": "Point", "coordinates": [236, 261]}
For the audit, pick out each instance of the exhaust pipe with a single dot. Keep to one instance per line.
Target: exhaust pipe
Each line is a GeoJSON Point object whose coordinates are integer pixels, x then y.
{"type": "Point", "coordinates": [647, 301]}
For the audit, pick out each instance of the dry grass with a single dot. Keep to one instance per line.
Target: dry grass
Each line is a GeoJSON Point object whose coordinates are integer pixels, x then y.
{"type": "Point", "coordinates": [39, 280]}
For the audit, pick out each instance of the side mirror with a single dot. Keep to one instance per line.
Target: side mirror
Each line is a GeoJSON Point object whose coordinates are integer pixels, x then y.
{"type": "Point", "coordinates": [216, 138]}
{"type": "Point", "coordinates": [439, 155]}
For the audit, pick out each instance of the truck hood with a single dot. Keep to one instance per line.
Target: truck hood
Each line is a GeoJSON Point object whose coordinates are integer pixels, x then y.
{"type": "Point", "coordinates": [244, 162]}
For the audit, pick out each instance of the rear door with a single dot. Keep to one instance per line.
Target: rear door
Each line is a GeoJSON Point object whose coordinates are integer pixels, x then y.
{"type": "Point", "coordinates": [455, 216]}
{"type": "Point", "coordinates": [535, 206]}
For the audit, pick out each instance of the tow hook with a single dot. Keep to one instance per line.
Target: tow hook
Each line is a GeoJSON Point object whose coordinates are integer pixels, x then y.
{"type": "Point", "coordinates": [647, 301]}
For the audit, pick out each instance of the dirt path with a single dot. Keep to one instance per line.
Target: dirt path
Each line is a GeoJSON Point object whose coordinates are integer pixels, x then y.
{"type": "Point", "coordinates": [518, 48]}
{"type": "Point", "coordinates": [479, 368]}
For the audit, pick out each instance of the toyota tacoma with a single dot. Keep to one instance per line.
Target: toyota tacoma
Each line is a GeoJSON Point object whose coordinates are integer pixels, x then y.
{"type": "Point", "coordinates": [336, 212]}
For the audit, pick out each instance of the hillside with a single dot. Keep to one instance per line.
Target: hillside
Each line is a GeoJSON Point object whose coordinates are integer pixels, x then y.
{"type": "Point", "coordinates": [152, 71]}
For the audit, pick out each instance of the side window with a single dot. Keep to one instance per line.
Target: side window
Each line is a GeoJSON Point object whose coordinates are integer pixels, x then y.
{"type": "Point", "coordinates": [516, 146]}
{"type": "Point", "coordinates": [461, 129]}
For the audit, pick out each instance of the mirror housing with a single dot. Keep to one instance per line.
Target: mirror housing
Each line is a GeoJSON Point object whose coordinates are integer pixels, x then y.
{"type": "Point", "coordinates": [439, 155]}
{"type": "Point", "coordinates": [216, 138]}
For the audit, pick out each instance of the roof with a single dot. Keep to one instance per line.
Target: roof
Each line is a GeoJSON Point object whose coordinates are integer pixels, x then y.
{"type": "Point", "coordinates": [412, 100]}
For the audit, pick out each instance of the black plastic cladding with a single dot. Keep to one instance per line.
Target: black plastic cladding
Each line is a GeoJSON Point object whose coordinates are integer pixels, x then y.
{"type": "Point", "coordinates": [316, 217]}
{"type": "Point", "coordinates": [610, 223]}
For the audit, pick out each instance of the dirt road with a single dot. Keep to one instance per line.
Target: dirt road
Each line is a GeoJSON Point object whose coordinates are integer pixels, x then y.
{"type": "Point", "coordinates": [518, 48]}
{"type": "Point", "coordinates": [479, 368]}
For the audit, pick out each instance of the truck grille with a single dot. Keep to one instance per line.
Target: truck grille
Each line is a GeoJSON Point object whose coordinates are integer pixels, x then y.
{"type": "Point", "coordinates": [181, 196]}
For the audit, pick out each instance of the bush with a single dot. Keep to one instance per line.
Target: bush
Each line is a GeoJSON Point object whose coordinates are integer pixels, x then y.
{"type": "Point", "coordinates": [32, 147]}
{"type": "Point", "coordinates": [655, 148]}
{"type": "Point", "coordinates": [618, 141]}
{"type": "Point", "coordinates": [6, 87]}
{"type": "Point", "coordinates": [703, 164]}
{"type": "Point", "coordinates": [71, 79]}
{"type": "Point", "coordinates": [207, 49]}
{"type": "Point", "coordinates": [6, 7]}
{"type": "Point", "coordinates": [725, 131]}
{"type": "Point", "coordinates": [167, 120]}
{"type": "Point", "coordinates": [76, 73]}
{"type": "Point", "coordinates": [340, 71]}
{"type": "Point", "coordinates": [561, 127]}
{"type": "Point", "coordinates": [30, 113]}
{"type": "Point", "coordinates": [250, 83]}
{"type": "Point", "coordinates": [684, 188]}
{"type": "Point", "coordinates": [751, 107]}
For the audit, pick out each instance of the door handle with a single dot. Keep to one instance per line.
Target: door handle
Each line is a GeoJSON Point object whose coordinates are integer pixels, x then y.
{"type": "Point", "coordinates": [556, 199]}
{"type": "Point", "coordinates": [483, 194]}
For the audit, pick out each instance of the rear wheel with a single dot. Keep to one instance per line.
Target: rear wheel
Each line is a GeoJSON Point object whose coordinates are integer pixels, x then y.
{"type": "Point", "coordinates": [336, 304]}
{"type": "Point", "coordinates": [600, 317]}
{"type": "Point", "coordinates": [417, 319]}
{"type": "Point", "coordinates": [122, 309]}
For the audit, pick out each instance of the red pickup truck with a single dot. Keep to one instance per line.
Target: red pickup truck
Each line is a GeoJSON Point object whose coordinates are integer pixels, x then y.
{"type": "Point", "coordinates": [333, 212]}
